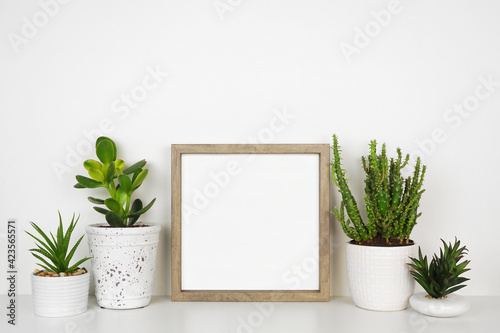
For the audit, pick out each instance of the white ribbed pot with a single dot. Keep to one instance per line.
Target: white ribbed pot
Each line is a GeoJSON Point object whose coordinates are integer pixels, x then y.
{"type": "Point", "coordinates": [379, 277]}
{"type": "Point", "coordinates": [123, 264]}
{"type": "Point", "coordinates": [60, 296]}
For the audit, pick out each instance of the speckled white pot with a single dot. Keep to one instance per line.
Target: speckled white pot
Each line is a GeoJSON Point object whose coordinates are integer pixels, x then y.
{"type": "Point", "coordinates": [451, 306]}
{"type": "Point", "coordinates": [123, 264]}
{"type": "Point", "coordinates": [379, 277]}
{"type": "Point", "coordinates": [60, 296]}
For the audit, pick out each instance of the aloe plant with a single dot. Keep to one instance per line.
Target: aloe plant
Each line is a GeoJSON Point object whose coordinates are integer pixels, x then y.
{"type": "Point", "coordinates": [55, 249]}
{"type": "Point", "coordinates": [442, 276]}
{"type": "Point", "coordinates": [120, 182]}
{"type": "Point", "coordinates": [391, 201]}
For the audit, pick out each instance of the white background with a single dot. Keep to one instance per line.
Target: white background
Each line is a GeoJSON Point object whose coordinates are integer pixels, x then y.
{"type": "Point", "coordinates": [228, 79]}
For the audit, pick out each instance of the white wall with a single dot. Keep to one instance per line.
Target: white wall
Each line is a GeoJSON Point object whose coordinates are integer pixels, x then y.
{"type": "Point", "coordinates": [229, 74]}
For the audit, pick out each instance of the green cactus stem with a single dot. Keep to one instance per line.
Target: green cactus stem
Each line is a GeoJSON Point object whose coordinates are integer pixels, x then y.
{"type": "Point", "coordinates": [391, 200]}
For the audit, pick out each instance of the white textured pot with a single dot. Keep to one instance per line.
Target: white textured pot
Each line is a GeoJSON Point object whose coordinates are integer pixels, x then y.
{"type": "Point", "coordinates": [60, 296]}
{"type": "Point", "coordinates": [451, 306]}
{"type": "Point", "coordinates": [123, 264]}
{"type": "Point", "coordinates": [379, 277]}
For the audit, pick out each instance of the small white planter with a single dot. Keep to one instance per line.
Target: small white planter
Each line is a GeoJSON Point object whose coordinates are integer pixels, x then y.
{"type": "Point", "coordinates": [379, 277]}
{"type": "Point", "coordinates": [451, 306]}
{"type": "Point", "coordinates": [123, 264]}
{"type": "Point", "coordinates": [60, 296]}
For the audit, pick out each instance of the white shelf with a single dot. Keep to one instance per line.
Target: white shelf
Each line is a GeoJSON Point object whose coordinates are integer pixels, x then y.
{"type": "Point", "coordinates": [339, 315]}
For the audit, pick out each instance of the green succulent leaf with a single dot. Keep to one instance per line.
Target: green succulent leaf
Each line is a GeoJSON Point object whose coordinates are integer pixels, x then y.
{"type": "Point", "coordinates": [134, 167]}
{"type": "Point", "coordinates": [132, 220]}
{"type": "Point", "coordinates": [119, 164]}
{"type": "Point", "coordinates": [441, 277]}
{"type": "Point", "coordinates": [103, 173]}
{"type": "Point", "coordinates": [121, 196]}
{"type": "Point", "coordinates": [46, 250]}
{"type": "Point", "coordinates": [96, 174]}
{"type": "Point", "coordinates": [61, 240]}
{"type": "Point", "coordinates": [88, 182]}
{"type": "Point", "coordinates": [78, 263]}
{"type": "Point", "coordinates": [139, 179]}
{"type": "Point", "coordinates": [53, 252]}
{"type": "Point", "coordinates": [104, 168]}
{"type": "Point", "coordinates": [114, 206]}
{"type": "Point", "coordinates": [114, 220]}
{"type": "Point", "coordinates": [92, 164]}
{"type": "Point", "coordinates": [101, 210]}
{"type": "Point", "coordinates": [96, 201]}
{"type": "Point", "coordinates": [143, 210]}
{"type": "Point", "coordinates": [48, 244]}
{"type": "Point", "coordinates": [50, 267]}
{"type": "Point", "coordinates": [110, 172]}
{"type": "Point", "coordinates": [136, 173]}
{"type": "Point", "coordinates": [105, 150]}
{"type": "Point", "coordinates": [70, 256]}
{"type": "Point", "coordinates": [100, 139]}
{"type": "Point", "coordinates": [125, 183]}
{"type": "Point", "coordinates": [136, 206]}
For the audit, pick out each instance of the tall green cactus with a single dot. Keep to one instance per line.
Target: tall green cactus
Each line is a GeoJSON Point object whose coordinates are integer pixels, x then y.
{"type": "Point", "coordinates": [391, 201]}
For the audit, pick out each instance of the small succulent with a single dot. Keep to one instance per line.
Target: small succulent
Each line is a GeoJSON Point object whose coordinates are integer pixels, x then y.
{"type": "Point", "coordinates": [391, 201]}
{"type": "Point", "coordinates": [56, 249]}
{"type": "Point", "coordinates": [442, 276]}
{"type": "Point", "coordinates": [120, 182]}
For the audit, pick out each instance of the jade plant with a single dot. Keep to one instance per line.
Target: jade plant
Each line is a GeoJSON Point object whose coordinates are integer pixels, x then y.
{"type": "Point", "coordinates": [391, 200]}
{"type": "Point", "coordinates": [442, 276]}
{"type": "Point", "coordinates": [120, 182]}
{"type": "Point", "coordinates": [53, 251]}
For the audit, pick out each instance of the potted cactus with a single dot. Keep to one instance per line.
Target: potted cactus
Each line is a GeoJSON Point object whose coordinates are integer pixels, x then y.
{"type": "Point", "coordinates": [380, 248]}
{"type": "Point", "coordinates": [123, 249]}
{"type": "Point", "coordinates": [440, 279]}
{"type": "Point", "coordinates": [61, 289]}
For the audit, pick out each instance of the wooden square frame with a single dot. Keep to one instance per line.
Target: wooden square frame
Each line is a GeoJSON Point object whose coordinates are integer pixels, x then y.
{"type": "Point", "coordinates": [322, 294]}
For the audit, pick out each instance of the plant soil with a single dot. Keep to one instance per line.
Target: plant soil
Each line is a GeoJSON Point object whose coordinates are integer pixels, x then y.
{"type": "Point", "coordinates": [430, 297]}
{"type": "Point", "coordinates": [379, 241]}
{"type": "Point", "coordinates": [76, 272]}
